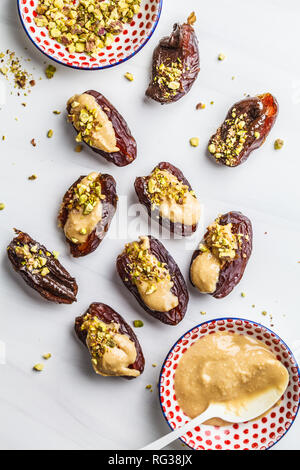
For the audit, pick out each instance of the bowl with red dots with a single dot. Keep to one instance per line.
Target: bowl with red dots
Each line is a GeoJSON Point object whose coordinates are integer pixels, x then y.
{"type": "Point", "coordinates": [259, 434]}
{"type": "Point", "coordinates": [126, 45]}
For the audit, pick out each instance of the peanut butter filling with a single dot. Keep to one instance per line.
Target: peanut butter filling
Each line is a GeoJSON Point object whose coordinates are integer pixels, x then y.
{"type": "Point", "coordinates": [225, 368]}
{"type": "Point", "coordinates": [151, 277]}
{"type": "Point", "coordinates": [85, 209]}
{"type": "Point", "coordinates": [112, 353]}
{"type": "Point", "coordinates": [205, 272]}
{"type": "Point", "coordinates": [92, 123]}
{"type": "Point", "coordinates": [174, 199]}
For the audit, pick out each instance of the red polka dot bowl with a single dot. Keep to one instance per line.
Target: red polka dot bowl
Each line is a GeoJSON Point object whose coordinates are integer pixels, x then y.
{"type": "Point", "coordinates": [260, 434]}
{"type": "Point", "coordinates": [126, 45]}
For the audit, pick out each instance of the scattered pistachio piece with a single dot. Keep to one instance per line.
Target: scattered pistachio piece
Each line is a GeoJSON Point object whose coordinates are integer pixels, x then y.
{"type": "Point", "coordinates": [50, 71]}
{"type": "Point", "coordinates": [202, 312]}
{"type": "Point", "coordinates": [200, 106]}
{"type": "Point", "coordinates": [194, 141]}
{"type": "Point", "coordinates": [138, 323]}
{"type": "Point", "coordinates": [278, 144]}
{"type": "Point", "coordinates": [32, 177]}
{"type": "Point", "coordinates": [221, 56]}
{"type": "Point", "coordinates": [149, 387]}
{"type": "Point", "coordinates": [2, 206]}
{"type": "Point", "coordinates": [33, 142]}
{"type": "Point", "coordinates": [50, 134]}
{"type": "Point", "coordinates": [78, 148]}
{"type": "Point", "coordinates": [264, 313]}
{"type": "Point", "coordinates": [56, 112]}
{"type": "Point", "coordinates": [212, 102]}
{"type": "Point", "coordinates": [47, 356]}
{"type": "Point", "coordinates": [3, 137]}
{"type": "Point", "coordinates": [243, 294]}
{"type": "Point", "coordinates": [129, 76]}
{"type": "Point", "coordinates": [154, 365]}
{"type": "Point", "coordinates": [38, 367]}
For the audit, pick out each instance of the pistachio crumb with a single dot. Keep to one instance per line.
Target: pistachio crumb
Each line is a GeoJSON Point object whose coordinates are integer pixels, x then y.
{"type": "Point", "coordinates": [50, 134]}
{"type": "Point", "coordinates": [243, 294]}
{"type": "Point", "coordinates": [32, 177]}
{"type": "Point", "coordinates": [194, 141]}
{"type": "Point", "coordinates": [2, 206]}
{"type": "Point", "coordinates": [221, 56]}
{"type": "Point", "coordinates": [129, 76]}
{"type": "Point", "coordinates": [200, 106]}
{"type": "Point", "coordinates": [138, 323]}
{"type": "Point", "coordinates": [253, 305]}
{"type": "Point", "coordinates": [47, 356]}
{"type": "Point", "coordinates": [33, 142]}
{"type": "Point", "coordinates": [50, 71]}
{"type": "Point", "coordinates": [202, 312]}
{"type": "Point", "coordinates": [264, 313]}
{"type": "Point", "coordinates": [212, 102]}
{"type": "Point", "coordinates": [154, 365]}
{"type": "Point", "coordinates": [78, 148]}
{"type": "Point", "coordinates": [278, 144]}
{"type": "Point", "coordinates": [149, 387]}
{"type": "Point", "coordinates": [38, 367]}
{"type": "Point", "coordinates": [56, 112]}
{"type": "Point", "coordinates": [3, 137]}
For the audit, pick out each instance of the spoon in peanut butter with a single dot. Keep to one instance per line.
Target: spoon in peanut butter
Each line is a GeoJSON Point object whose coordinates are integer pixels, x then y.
{"type": "Point", "coordinates": [251, 409]}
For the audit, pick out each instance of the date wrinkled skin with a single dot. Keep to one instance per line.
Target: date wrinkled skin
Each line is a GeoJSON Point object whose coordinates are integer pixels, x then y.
{"type": "Point", "coordinates": [261, 112]}
{"type": "Point", "coordinates": [174, 316]}
{"type": "Point", "coordinates": [109, 205]}
{"type": "Point", "coordinates": [57, 286]}
{"type": "Point", "coordinates": [232, 271]}
{"type": "Point", "coordinates": [182, 44]}
{"type": "Point", "coordinates": [107, 315]}
{"type": "Point", "coordinates": [140, 186]}
{"type": "Point", "coordinates": [125, 141]}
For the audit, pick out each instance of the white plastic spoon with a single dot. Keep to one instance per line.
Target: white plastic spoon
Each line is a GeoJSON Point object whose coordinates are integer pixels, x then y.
{"type": "Point", "coordinates": [251, 409]}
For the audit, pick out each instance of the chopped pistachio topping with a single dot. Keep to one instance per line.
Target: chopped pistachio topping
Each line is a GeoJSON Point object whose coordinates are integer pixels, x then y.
{"type": "Point", "coordinates": [138, 323]}
{"type": "Point", "coordinates": [50, 71]}
{"type": "Point", "coordinates": [278, 144]}
{"type": "Point", "coordinates": [85, 26]}
{"type": "Point", "coordinates": [86, 123]}
{"type": "Point", "coordinates": [230, 145]}
{"type": "Point", "coordinates": [99, 336]}
{"type": "Point", "coordinates": [129, 76]}
{"type": "Point", "coordinates": [2, 206]}
{"type": "Point", "coordinates": [194, 141]}
{"type": "Point", "coordinates": [143, 266]}
{"type": "Point", "coordinates": [38, 367]}
{"type": "Point", "coordinates": [168, 77]}
{"type": "Point", "coordinates": [86, 197]}
{"type": "Point", "coordinates": [161, 188]}
{"type": "Point", "coordinates": [33, 259]}
{"type": "Point", "coordinates": [221, 241]}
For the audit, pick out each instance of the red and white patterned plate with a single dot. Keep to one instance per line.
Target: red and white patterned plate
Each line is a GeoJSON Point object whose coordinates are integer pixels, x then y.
{"type": "Point", "coordinates": [133, 38]}
{"type": "Point", "coordinates": [259, 434]}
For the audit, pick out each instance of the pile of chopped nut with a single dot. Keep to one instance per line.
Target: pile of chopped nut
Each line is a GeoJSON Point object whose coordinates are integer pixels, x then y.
{"type": "Point", "coordinates": [85, 26]}
{"type": "Point", "coordinates": [99, 336]}
{"type": "Point", "coordinates": [168, 76]}
{"type": "Point", "coordinates": [222, 242]}
{"type": "Point", "coordinates": [145, 267]}
{"type": "Point", "coordinates": [86, 197]}
{"type": "Point", "coordinates": [160, 188]}
{"type": "Point", "coordinates": [10, 64]}
{"type": "Point", "coordinates": [230, 146]}
{"type": "Point", "coordinates": [33, 259]}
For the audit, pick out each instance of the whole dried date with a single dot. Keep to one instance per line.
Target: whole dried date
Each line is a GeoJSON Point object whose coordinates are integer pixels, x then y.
{"type": "Point", "coordinates": [245, 128]}
{"type": "Point", "coordinates": [161, 279]}
{"type": "Point", "coordinates": [102, 128]}
{"type": "Point", "coordinates": [169, 198]}
{"type": "Point", "coordinates": [175, 65]}
{"type": "Point", "coordinates": [108, 316]}
{"type": "Point", "coordinates": [219, 263]}
{"type": "Point", "coordinates": [86, 212]}
{"type": "Point", "coordinates": [41, 270]}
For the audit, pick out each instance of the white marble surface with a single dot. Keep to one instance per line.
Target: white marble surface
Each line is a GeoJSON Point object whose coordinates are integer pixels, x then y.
{"type": "Point", "coordinates": [67, 406]}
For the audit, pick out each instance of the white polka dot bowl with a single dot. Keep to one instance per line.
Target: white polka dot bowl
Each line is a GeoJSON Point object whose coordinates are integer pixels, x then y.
{"type": "Point", "coordinates": [260, 434]}
{"type": "Point", "coordinates": [126, 45]}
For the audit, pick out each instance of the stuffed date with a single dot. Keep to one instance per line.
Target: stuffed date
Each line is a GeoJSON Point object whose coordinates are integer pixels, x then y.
{"type": "Point", "coordinates": [245, 128]}
{"type": "Point", "coordinates": [169, 198]}
{"type": "Point", "coordinates": [175, 65]}
{"type": "Point", "coordinates": [153, 277]}
{"type": "Point", "coordinates": [219, 263]}
{"type": "Point", "coordinates": [113, 346]}
{"type": "Point", "coordinates": [41, 269]}
{"type": "Point", "coordinates": [101, 127]}
{"type": "Point", "coordinates": [86, 212]}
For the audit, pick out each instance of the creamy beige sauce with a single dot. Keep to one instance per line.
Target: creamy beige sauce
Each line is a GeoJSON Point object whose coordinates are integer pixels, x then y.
{"type": "Point", "coordinates": [104, 138]}
{"type": "Point", "coordinates": [205, 272]}
{"type": "Point", "coordinates": [187, 213]}
{"type": "Point", "coordinates": [77, 220]}
{"type": "Point", "coordinates": [162, 299]}
{"type": "Point", "coordinates": [225, 368]}
{"type": "Point", "coordinates": [116, 361]}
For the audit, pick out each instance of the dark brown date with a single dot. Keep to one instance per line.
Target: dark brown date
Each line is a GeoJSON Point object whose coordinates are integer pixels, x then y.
{"type": "Point", "coordinates": [109, 205]}
{"type": "Point", "coordinates": [175, 60]}
{"type": "Point", "coordinates": [232, 271]}
{"type": "Point", "coordinates": [57, 285]}
{"type": "Point", "coordinates": [179, 289]}
{"type": "Point", "coordinates": [107, 315]}
{"type": "Point", "coordinates": [245, 129]}
{"type": "Point", "coordinates": [125, 141]}
{"type": "Point", "coordinates": [141, 190]}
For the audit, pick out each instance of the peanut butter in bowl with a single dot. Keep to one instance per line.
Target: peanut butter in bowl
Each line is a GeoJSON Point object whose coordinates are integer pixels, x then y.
{"type": "Point", "coordinates": [225, 368]}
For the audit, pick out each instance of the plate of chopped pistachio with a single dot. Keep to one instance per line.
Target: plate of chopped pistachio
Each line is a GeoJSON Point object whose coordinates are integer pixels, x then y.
{"type": "Point", "coordinates": [89, 34]}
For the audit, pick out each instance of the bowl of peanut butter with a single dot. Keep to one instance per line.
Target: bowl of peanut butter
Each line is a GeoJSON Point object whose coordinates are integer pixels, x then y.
{"type": "Point", "coordinates": [229, 361]}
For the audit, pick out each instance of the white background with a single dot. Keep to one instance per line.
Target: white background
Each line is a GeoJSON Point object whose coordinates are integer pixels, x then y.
{"type": "Point", "coordinates": [67, 405]}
